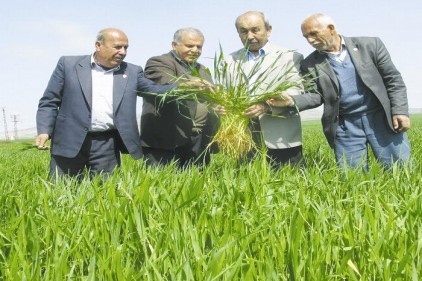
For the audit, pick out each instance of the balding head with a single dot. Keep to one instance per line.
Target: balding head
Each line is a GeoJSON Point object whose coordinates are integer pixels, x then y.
{"type": "Point", "coordinates": [253, 14]}
{"type": "Point", "coordinates": [110, 47]}
{"type": "Point", "coordinates": [108, 32]}
{"type": "Point", "coordinates": [320, 19]}
{"type": "Point", "coordinates": [320, 32]}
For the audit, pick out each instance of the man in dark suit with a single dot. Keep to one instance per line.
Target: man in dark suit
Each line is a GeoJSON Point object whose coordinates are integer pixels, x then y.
{"type": "Point", "coordinates": [177, 130]}
{"type": "Point", "coordinates": [364, 96]}
{"type": "Point", "coordinates": [89, 108]}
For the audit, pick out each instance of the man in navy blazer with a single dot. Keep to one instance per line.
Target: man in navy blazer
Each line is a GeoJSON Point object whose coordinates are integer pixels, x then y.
{"type": "Point", "coordinates": [364, 95]}
{"type": "Point", "coordinates": [89, 108]}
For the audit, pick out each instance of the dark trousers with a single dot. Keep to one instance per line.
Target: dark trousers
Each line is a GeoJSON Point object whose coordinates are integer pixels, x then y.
{"type": "Point", "coordinates": [99, 154]}
{"type": "Point", "coordinates": [193, 152]}
{"type": "Point", "coordinates": [288, 156]}
{"type": "Point", "coordinates": [276, 157]}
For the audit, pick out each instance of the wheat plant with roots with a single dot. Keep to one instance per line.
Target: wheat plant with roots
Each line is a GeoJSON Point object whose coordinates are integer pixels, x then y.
{"type": "Point", "coordinates": [236, 90]}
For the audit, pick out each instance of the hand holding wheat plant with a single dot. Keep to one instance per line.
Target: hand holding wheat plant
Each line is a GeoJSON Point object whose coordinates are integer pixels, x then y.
{"type": "Point", "coordinates": [238, 96]}
{"type": "Point", "coordinates": [281, 100]}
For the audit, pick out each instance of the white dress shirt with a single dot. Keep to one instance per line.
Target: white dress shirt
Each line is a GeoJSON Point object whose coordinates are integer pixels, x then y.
{"type": "Point", "coordinates": [102, 98]}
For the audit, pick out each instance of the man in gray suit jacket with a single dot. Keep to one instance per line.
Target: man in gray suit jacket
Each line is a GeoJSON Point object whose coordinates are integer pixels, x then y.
{"type": "Point", "coordinates": [89, 108]}
{"type": "Point", "coordinates": [177, 130]}
{"type": "Point", "coordinates": [364, 96]}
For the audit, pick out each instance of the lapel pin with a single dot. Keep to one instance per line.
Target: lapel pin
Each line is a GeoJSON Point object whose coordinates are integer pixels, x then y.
{"type": "Point", "coordinates": [355, 49]}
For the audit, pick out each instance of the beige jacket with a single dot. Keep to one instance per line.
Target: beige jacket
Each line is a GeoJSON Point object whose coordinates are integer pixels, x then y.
{"type": "Point", "coordinates": [282, 127]}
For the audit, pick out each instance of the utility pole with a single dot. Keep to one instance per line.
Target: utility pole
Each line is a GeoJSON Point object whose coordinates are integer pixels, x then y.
{"type": "Point", "coordinates": [6, 132]}
{"type": "Point", "coordinates": [15, 124]}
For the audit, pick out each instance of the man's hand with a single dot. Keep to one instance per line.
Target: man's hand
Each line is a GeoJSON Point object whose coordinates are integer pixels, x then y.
{"type": "Point", "coordinates": [282, 100]}
{"type": "Point", "coordinates": [256, 110]}
{"type": "Point", "coordinates": [41, 140]}
{"type": "Point", "coordinates": [219, 109]}
{"type": "Point", "coordinates": [401, 123]}
{"type": "Point", "coordinates": [195, 82]}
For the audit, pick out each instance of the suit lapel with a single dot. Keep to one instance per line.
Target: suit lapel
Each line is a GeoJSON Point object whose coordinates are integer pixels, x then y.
{"type": "Point", "coordinates": [252, 70]}
{"type": "Point", "coordinates": [205, 73]}
{"type": "Point", "coordinates": [354, 52]}
{"type": "Point", "coordinates": [119, 86]}
{"type": "Point", "coordinates": [322, 65]}
{"type": "Point", "coordinates": [239, 68]}
{"type": "Point", "coordinates": [83, 71]}
{"type": "Point", "coordinates": [271, 65]}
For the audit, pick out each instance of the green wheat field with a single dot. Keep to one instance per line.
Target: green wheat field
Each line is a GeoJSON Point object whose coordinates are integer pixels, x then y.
{"type": "Point", "coordinates": [226, 222]}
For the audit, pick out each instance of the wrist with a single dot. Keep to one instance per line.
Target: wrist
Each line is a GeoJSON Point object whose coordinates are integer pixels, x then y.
{"type": "Point", "coordinates": [292, 102]}
{"type": "Point", "coordinates": [267, 108]}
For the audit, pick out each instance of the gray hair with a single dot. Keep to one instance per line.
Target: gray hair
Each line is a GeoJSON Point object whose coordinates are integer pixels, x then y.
{"type": "Point", "coordinates": [261, 14]}
{"type": "Point", "coordinates": [178, 35]}
{"type": "Point", "coordinates": [102, 33]}
{"type": "Point", "coordinates": [100, 36]}
{"type": "Point", "coordinates": [322, 19]}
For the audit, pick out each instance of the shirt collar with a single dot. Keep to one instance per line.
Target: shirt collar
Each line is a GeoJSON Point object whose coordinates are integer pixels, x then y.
{"type": "Point", "coordinates": [339, 56]}
{"type": "Point", "coordinates": [182, 63]}
{"type": "Point", "coordinates": [261, 53]}
{"type": "Point", "coordinates": [99, 67]}
{"type": "Point", "coordinates": [342, 48]}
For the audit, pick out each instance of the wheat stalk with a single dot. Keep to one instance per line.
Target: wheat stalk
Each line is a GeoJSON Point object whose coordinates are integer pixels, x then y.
{"type": "Point", "coordinates": [236, 91]}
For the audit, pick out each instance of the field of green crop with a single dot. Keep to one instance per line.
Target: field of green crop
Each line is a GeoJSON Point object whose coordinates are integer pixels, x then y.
{"type": "Point", "coordinates": [227, 222]}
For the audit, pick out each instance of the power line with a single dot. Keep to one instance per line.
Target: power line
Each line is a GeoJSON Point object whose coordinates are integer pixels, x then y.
{"type": "Point", "coordinates": [15, 124]}
{"type": "Point", "coordinates": [6, 132]}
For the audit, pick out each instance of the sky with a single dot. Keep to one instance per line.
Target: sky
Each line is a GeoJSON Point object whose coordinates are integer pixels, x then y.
{"type": "Point", "coordinates": [36, 33]}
